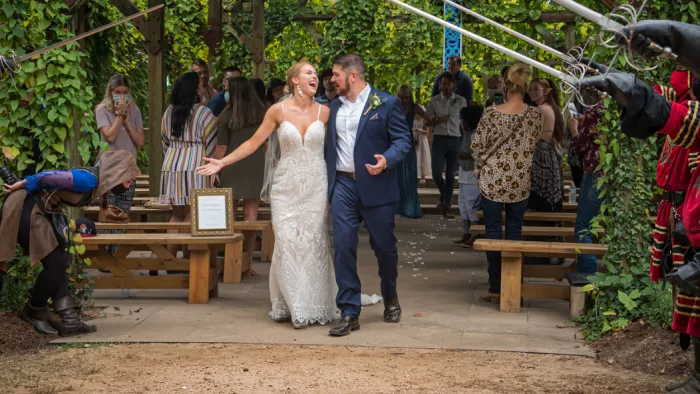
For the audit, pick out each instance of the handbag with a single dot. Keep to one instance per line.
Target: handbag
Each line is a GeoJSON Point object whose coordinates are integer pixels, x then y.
{"type": "Point", "coordinates": [112, 214]}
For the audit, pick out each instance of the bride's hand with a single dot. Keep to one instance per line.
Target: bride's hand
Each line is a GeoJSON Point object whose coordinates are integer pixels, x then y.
{"type": "Point", "coordinates": [213, 167]}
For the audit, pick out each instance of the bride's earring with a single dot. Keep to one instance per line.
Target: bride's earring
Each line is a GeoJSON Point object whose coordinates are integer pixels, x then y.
{"type": "Point", "coordinates": [299, 91]}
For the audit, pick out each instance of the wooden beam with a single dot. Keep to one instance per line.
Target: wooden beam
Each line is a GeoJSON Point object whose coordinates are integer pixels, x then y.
{"type": "Point", "coordinates": [312, 31]}
{"type": "Point", "coordinates": [73, 136]}
{"type": "Point", "coordinates": [212, 36]}
{"type": "Point", "coordinates": [127, 8]}
{"type": "Point", "coordinates": [258, 39]}
{"type": "Point", "coordinates": [156, 93]}
{"type": "Point", "coordinates": [545, 16]}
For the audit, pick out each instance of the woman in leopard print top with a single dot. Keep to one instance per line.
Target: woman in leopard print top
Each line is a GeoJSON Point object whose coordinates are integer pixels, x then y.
{"type": "Point", "coordinates": [505, 142]}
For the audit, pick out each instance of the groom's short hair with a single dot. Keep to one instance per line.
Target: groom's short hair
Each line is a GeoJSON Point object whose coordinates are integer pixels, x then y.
{"type": "Point", "coordinates": [351, 62]}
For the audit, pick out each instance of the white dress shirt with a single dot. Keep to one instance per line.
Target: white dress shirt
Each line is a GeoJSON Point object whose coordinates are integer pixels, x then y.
{"type": "Point", "coordinates": [346, 123]}
{"type": "Point", "coordinates": [440, 106]}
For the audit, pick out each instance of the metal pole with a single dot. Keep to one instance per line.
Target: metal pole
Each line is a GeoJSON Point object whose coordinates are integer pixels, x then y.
{"type": "Point", "coordinates": [514, 33]}
{"type": "Point", "coordinates": [549, 70]}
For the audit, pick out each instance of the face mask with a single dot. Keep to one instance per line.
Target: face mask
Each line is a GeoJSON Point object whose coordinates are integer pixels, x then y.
{"type": "Point", "coordinates": [493, 93]}
{"type": "Point", "coordinates": [127, 98]}
{"type": "Point", "coordinates": [227, 96]}
{"type": "Point", "coordinates": [115, 98]}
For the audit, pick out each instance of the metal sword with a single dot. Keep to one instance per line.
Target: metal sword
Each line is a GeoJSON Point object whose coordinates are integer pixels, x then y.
{"type": "Point", "coordinates": [11, 63]}
{"type": "Point", "coordinates": [609, 24]}
{"type": "Point", "coordinates": [534, 63]}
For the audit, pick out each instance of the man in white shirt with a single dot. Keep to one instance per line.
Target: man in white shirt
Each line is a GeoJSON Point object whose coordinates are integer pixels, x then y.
{"type": "Point", "coordinates": [443, 116]}
{"type": "Point", "coordinates": [367, 138]}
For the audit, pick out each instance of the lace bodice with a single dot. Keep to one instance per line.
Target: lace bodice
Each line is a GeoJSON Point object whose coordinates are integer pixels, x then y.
{"type": "Point", "coordinates": [292, 141]}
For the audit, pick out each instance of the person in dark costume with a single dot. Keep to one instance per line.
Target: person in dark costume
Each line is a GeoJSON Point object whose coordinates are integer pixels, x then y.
{"type": "Point", "coordinates": [647, 112]}
{"type": "Point", "coordinates": [30, 219]}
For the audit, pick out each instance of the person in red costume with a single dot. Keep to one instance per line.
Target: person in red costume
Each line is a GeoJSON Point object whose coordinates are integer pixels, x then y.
{"type": "Point", "coordinates": [647, 112]}
{"type": "Point", "coordinates": [673, 174]}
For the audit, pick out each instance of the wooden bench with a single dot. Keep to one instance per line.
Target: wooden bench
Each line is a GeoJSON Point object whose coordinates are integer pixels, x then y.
{"type": "Point", "coordinates": [202, 280]}
{"type": "Point", "coordinates": [137, 213]}
{"type": "Point", "coordinates": [563, 217]}
{"type": "Point", "coordinates": [536, 231]}
{"type": "Point", "coordinates": [513, 271]}
{"type": "Point", "coordinates": [249, 229]}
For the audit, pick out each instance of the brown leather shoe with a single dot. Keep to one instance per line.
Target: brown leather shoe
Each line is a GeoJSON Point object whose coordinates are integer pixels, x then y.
{"type": "Point", "coordinates": [346, 325]}
{"type": "Point", "coordinates": [463, 240]}
{"type": "Point", "coordinates": [392, 311]}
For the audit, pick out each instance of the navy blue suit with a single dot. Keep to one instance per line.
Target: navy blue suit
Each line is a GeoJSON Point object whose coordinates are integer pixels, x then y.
{"type": "Point", "coordinates": [368, 198]}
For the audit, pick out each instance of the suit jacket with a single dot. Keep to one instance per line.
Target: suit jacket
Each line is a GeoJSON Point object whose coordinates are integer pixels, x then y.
{"type": "Point", "coordinates": [384, 131]}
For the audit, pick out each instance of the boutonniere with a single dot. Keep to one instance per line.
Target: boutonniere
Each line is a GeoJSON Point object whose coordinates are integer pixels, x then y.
{"type": "Point", "coordinates": [374, 103]}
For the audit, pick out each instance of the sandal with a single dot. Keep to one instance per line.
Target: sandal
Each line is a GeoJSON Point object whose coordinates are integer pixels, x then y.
{"type": "Point", "coordinates": [154, 203]}
{"type": "Point", "coordinates": [490, 298]}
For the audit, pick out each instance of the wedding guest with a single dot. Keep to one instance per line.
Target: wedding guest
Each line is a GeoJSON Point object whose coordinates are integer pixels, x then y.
{"type": "Point", "coordinates": [585, 133]}
{"type": "Point", "coordinates": [259, 88]}
{"type": "Point", "coordinates": [275, 91]}
{"type": "Point", "coordinates": [463, 84]}
{"type": "Point", "coordinates": [409, 203]}
{"type": "Point", "coordinates": [494, 90]}
{"type": "Point", "coordinates": [119, 121]}
{"type": "Point", "coordinates": [330, 88]}
{"type": "Point", "coordinates": [468, 185]}
{"type": "Point", "coordinates": [205, 91]}
{"type": "Point", "coordinates": [547, 185]}
{"type": "Point", "coordinates": [420, 135]}
{"type": "Point", "coordinates": [218, 103]}
{"type": "Point", "coordinates": [188, 133]}
{"type": "Point", "coordinates": [443, 115]}
{"type": "Point", "coordinates": [239, 121]}
{"type": "Point", "coordinates": [504, 143]}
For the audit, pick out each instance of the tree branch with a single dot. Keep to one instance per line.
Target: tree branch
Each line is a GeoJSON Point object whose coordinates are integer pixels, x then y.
{"type": "Point", "coordinates": [312, 31]}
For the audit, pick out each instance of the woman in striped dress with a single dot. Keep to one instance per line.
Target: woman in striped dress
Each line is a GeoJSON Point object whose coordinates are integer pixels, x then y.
{"type": "Point", "coordinates": [188, 131]}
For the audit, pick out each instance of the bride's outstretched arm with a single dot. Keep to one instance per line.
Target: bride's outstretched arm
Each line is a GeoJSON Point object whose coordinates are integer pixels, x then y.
{"type": "Point", "coordinates": [269, 124]}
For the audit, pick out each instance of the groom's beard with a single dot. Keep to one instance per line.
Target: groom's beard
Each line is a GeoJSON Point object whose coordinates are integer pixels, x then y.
{"type": "Point", "coordinates": [344, 90]}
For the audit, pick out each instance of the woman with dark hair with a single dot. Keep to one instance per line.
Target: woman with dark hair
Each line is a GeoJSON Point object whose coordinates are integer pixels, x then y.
{"type": "Point", "coordinates": [29, 219]}
{"type": "Point", "coordinates": [409, 204]}
{"type": "Point", "coordinates": [237, 124]}
{"type": "Point", "coordinates": [259, 88]}
{"type": "Point", "coordinates": [188, 132]}
{"type": "Point", "coordinates": [547, 188]}
{"type": "Point", "coordinates": [275, 91]}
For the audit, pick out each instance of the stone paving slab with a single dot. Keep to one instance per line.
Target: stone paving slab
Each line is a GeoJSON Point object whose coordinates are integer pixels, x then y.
{"type": "Point", "coordinates": [439, 285]}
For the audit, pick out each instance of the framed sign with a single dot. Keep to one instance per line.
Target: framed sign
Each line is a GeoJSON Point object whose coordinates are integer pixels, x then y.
{"type": "Point", "coordinates": [212, 212]}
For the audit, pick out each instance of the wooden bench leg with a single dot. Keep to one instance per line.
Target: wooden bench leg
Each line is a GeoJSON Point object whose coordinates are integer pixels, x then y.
{"type": "Point", "coordinates": [199, 276]}
{"type": "Point", "coordinates": [233, 262]}
{"type": "Point", "coordinates": [511, 281]}
{"type": "Point", "coordinates": [268, 245]}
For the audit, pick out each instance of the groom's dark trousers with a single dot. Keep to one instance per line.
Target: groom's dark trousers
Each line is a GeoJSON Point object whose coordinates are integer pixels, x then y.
{"type": "Point", "coordinates": [348, 213]}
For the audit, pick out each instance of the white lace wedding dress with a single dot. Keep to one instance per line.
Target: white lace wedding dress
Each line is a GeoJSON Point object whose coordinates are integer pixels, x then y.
{"type": "Point", "coordinates": [302, 280]}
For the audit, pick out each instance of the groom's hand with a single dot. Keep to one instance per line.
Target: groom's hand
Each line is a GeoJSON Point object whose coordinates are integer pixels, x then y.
{"type": "Point", "coordinates": [379, 167]}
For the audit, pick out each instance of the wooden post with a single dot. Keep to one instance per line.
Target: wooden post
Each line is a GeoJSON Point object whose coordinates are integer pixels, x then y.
{"type": "Point", "coordinates": [156, 94]}
{"type": "Point", "coordinates": [570, 36]}
{"type": "Point", "coordinates": [259, 39]}
{"type": "Point", "coordinates": [199, 274]}
{"type": "Point", "coordinates": [213, 35]}
{"type": "Point", "coordinates": [511, 281]}
{"type": "Point", "coordinates": [71, 141]}
{"type": "Point", "coordinates": [233, 262]}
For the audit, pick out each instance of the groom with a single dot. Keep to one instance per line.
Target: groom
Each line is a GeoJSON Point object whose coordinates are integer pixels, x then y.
{"type": "Point", "coordinates": [367, 137]}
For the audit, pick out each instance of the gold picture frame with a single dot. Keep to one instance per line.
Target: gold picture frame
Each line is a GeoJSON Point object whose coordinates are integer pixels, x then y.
{"type": "Point", "coordinates": [212, 212]}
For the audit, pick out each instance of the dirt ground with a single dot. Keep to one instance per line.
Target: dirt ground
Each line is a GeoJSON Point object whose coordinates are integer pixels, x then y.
{"type": "Point", "coordinates": [624, 365]}
{"type": "Point", "coordinates": [199, 368]}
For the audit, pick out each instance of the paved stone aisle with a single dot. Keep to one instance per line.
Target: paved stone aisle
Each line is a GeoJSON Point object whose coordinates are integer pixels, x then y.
{"type": "Point", "coordinates": [439, 285]}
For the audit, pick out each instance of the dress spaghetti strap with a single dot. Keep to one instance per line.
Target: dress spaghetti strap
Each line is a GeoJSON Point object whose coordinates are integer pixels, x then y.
{"type": "Point", "coordinates": [318, 116]}
{"type": "Point", "coordinates": [284, 117]}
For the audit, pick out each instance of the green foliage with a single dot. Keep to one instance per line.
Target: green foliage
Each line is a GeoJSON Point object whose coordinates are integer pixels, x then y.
{"type": "Point", "coordinates": [54, 79]}
{"type": "Point", "coordinates": [18, 282]}
{"type": "Point", "coordinates": [184, 22]}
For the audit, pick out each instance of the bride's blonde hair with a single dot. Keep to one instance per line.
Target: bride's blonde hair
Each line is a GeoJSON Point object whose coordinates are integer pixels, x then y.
{"type": "Point", "coordinates": [293, 72]}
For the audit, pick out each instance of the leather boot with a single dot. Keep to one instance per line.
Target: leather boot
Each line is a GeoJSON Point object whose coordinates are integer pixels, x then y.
{"type": "Point", "coordinates": [38, 318]}
{"type": "Point", "coordinates": [463, 240]}
{"type": "Point", "coordinates": [692, 385]}
{"type": "Point", "coordinates": [71, 324]}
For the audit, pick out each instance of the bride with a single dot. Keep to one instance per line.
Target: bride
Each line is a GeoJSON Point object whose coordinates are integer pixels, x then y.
{"type": "Point", "coordinates": [302, 282]}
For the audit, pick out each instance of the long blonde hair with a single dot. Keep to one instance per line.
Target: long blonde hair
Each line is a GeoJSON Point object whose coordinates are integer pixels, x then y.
{"type": "Point", "coordinates": [116, 81]}
{"type": "Point", "coordinates": [293, 72]}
